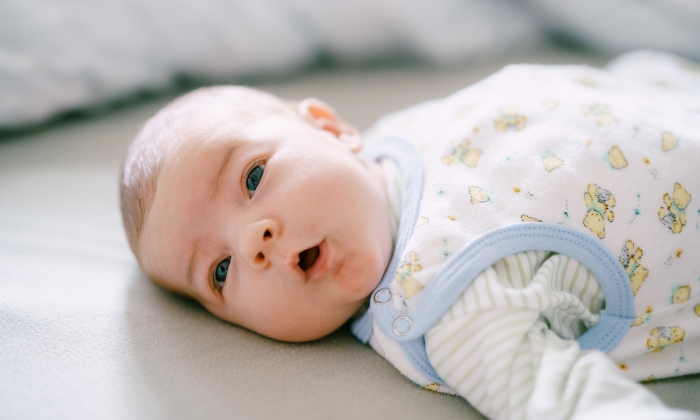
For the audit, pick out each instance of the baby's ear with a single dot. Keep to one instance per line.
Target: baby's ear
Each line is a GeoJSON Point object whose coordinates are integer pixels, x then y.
{"type": "Point", "coordinates": [322, 116]}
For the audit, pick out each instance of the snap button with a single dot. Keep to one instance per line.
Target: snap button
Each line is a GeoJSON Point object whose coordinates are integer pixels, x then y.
{"type": "Point", "coordinates": [382, 296]}
{"type": "Point", "coordinates": [402, 325]}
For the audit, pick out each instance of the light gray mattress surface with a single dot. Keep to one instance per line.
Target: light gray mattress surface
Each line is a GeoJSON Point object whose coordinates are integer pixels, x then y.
{"type": "Point", "coordinates": [84, 334]}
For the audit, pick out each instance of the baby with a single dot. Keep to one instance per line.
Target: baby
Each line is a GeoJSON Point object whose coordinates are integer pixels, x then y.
{"type": "Point", "coordinates": [497, 233]}
{"type": "Point", "coordinates": [259, 209]}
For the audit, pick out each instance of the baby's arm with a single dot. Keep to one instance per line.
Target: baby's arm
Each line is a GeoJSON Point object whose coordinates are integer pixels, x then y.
{"type": "Point", "coordinates": [496, 347]}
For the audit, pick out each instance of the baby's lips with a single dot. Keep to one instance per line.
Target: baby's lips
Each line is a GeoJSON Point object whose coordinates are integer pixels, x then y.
{"type": "Point", "coordinates": [291, 267]}
{"type": "Point", "coordinates": [308, 257]}
{"type": "Point", "coordinates": [322, 264]}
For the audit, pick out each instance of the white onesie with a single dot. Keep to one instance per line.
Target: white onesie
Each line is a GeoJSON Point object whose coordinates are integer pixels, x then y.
{"type": "Point", "coordinates": [598, 166]}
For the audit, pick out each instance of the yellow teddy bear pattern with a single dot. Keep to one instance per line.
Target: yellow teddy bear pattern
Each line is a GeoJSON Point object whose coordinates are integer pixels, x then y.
{"type": "Point", "coordinates": [433, 386]}
{"type": "Point", "coordinates": [662, 337]}
{"type": "Point", "coordinates": [552, 162]}
{"type": "Point", "coordinates": [629, 258]}
{"type": "Point", "coordinates": [680, 294]}
{"type": "Point", "coordinates": [668, 141]}
{"type": "Point", "coordinates": [673, 215]}
{"type": "Point", "coordinates": [641, 319]}
{"type": "Point", "coordinates": [616, 158]}
{"type": "Point", "coordinates": [528, 219]}
{"type": "Point", "coordinates": [599, 202]}
{"type": "Point", "coordinates": [404, 275]}
{"type": "Point", "coordinates": [510, 117]}
{"type": "Point", "coordinates": [478, 195]}
{"type": "Point", "coordinates": [464, 154]}
{"type": "Point", "coordinates": [601, 112]}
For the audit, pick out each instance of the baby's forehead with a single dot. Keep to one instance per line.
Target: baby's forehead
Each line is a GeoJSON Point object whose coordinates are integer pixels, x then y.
{"type": "Point", "coordinates": [229, 102]}
{"type": "Point", "coordinates": [205, 115]}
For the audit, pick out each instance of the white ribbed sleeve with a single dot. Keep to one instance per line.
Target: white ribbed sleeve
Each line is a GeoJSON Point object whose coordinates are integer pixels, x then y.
{"type": "Point", "coordinates": [507, 346]}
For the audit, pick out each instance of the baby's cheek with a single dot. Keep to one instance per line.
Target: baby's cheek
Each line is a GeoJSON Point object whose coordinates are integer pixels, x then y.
{"type": "Point", "coordinates": [359, 280]}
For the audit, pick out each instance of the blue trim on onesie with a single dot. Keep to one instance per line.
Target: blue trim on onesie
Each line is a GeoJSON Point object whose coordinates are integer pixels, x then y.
{"type": "Point", "coordinates": [411, 167]}
{"type": "Point", "coordinates": [480, 254]}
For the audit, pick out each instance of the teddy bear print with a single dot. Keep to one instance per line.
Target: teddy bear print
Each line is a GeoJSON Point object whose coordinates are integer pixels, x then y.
{"type": "Point", "coordinates": [463, 153]}
{"type": "Point", "coordinates": [599, 202]}
{"type": "Point", "coordinates": [673, 215]}
{"type": "Point", "coordinates": [629, 258]}
{"type": "Point", "coordinates": [551, 162]}
{"type": "Point", "coordinates": [601, 112]}
{"type": "Point", "coordinates": [404, 276]}
{"type": "Point", "coordinates": [641, 319]}
{"type": "Point", "coordinates": [433, 386]}
{"type": "Point", "coordinates": [510, 117]}
{"type": "Point", "coordinates": [478, 195]}
{"type": "Point", "coordinates": [662, 337]}
{"type": "Point", "coordinates": [680, 294]}
{"type": "Point", "coordinates": [616, 158]}
{"type": "Point", "coordinates": [526, 218]}
{"type": "Point", "coordinates": [668, 141]}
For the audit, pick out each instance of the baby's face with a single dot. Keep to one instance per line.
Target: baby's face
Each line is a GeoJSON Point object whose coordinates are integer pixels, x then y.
{"type": "Point", "coordinates": [281, 230]}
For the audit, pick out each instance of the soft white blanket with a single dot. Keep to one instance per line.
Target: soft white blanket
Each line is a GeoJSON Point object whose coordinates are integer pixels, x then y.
{"type": "Point", "coordinates": [58, 56]}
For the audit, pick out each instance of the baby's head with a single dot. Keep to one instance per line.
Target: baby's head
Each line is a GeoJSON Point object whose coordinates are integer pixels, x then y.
{"type": "Point", "coordinates": [259, 209]}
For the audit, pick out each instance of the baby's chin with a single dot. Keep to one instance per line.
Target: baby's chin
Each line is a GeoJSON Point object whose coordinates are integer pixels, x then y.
{"type": "Point", "coordinates": [298, 329]}
{"type": "Point", "coordinates": [308, 332]}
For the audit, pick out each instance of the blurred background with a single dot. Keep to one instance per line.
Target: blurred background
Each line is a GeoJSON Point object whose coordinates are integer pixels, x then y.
{"type": "Point", "coordinates": [57, 57]}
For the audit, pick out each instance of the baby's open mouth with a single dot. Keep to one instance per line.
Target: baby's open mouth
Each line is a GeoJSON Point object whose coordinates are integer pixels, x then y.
{"type": "Point", "coordinates": [308, 257]}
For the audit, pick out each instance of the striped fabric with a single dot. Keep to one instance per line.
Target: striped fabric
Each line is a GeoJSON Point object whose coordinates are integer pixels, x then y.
{"type": "Point", "coordinates": [506, 345]}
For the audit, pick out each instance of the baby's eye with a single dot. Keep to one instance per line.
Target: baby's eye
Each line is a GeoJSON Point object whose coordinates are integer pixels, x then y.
{"type": "Point", "coordinates": [254, 177]}
{"type": "Point", "coordinates": [221, 272]}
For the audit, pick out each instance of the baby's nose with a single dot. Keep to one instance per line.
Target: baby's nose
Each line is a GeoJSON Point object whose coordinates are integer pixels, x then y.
{"type": "Point", "coordinates": [257, 241]}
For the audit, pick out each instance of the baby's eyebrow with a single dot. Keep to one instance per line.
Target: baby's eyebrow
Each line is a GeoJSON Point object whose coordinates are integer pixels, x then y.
{"type": "Point", "coordinates": [190, 272]}
{"type": "Point", "coordinates": [222, 167]}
